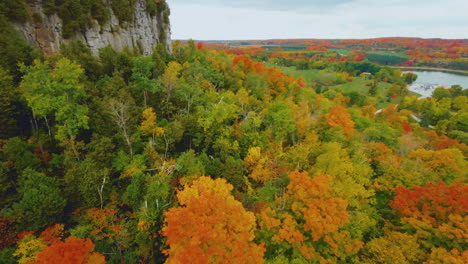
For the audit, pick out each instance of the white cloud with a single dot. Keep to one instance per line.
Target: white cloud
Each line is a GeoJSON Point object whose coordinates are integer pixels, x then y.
{"type": "Point", "coordinates": [345, 19]}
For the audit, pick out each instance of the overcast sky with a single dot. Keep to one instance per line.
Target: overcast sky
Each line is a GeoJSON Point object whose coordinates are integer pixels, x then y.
{"type": "Point", "coordinates": [271, 19]}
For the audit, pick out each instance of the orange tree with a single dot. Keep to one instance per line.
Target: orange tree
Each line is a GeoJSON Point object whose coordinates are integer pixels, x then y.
{"type": "Point", "coordinates": [71, 251]}
{"type": "Point", "coordinates": [306, 223]}
{"type": "Point", "coordinates": [210, 226]}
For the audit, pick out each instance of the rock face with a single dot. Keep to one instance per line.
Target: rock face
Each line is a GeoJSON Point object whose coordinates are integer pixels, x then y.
{"type": "Point", "coordinates": [144, 32]}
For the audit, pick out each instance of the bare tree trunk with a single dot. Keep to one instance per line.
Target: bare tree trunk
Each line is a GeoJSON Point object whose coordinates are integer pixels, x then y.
{"type": "Point", "coordinates": [100, 190]}
{"type": "Point", "coordinates": [48, 128]}
{"type": "Point", "coordinates": [35, 123]}
{"type": "Point", "coordinates": [119, 112]}
{"type": "Point", "coordinates": [127, 139]}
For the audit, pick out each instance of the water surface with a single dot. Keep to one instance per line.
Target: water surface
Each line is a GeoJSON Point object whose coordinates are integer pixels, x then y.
{"type": "Point", "coordinates": [429, 80]}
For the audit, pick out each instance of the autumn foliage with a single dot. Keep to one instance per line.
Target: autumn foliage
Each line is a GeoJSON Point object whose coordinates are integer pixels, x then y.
{"type": "Point", "coordinates": [210, 226]}
{"type": "Point", "coordinates": [71, 251]}
{"type": "Point", "coordinates": [311, 160]}
{"type": "Point", "coordinates": [7, 233]}
{"type": "Point", "coordinates": [437, 215]}
{"type": "Point", "coordinates": [434, 202]}
{"type": "Point", "coordinates": [340, 117]}
{"type": "Point", "coordinates": [312, 216]}
{"type": "Point", "coordinates": [52, 234]}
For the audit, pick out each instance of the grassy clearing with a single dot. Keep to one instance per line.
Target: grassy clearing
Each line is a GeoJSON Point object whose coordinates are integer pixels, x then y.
{"type": "Point", "coordinates": [341, 51]}
{"type": "Point", "coordinates": [359, 84]}
{"type": "Point", "coordinates": [311, 75]}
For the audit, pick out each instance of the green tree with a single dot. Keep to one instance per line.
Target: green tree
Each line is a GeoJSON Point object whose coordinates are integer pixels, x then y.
{"type": "Point", "coordinates": [57, 92]}
{"type": "Point", "coordinates": [280, 118]}
{"type": "Point", "coordinates": [441, 92]}
{"type": "Point", "coordinates": [409, 77]}
{"type": "Point", "coordinates": [7, 104]}
{"type": "Point", "coordinates": [13, 48]}
{"type": "Point", "coordinates": [19, 153]}
{"type": "Point", "coordinates": [41, 202]}
{"type": "Point", "coordinates": [78, 52]}
{"type": "Point", "coordinates": [142, 77]}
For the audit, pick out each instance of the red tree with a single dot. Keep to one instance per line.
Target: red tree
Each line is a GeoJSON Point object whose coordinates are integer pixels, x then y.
{"type": "Point", "coordinates": [433, 202]}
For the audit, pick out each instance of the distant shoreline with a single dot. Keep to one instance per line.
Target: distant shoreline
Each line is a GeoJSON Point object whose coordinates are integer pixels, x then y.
{"type": "Point", "coordinates": [431, 69]}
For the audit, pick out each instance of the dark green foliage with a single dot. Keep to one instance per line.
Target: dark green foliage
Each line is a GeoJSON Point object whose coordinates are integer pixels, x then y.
{"type": "Point", "coordinates": [457, 90]}
{"type": "Point", "coordinates": [78, 52]}
{"type": "Point", "coordinates": [7, 186]}
{"type": "Point", "coordinates": [41, 202]}
{"type": "Point", "coordinates": [386, 58]}
{"type": "Point", "coordinates": [6, 256]}
{"type": "Point", "coordinates": [19, 153]}
{"type": "Point", "coordinates": [135, 191]}
{"type": "Point", "coordinates": [356, 68]}
{"type": "Point", "coordinates": [8, 96]}
{"type": "Point", "coordinates": [116, 62]}
{"type": "Point", "coordinates": [373, 89]}
{"type": "Point", "coordinates": [160, 58]}
{"type": "Point", "coordinates": [154, 7]}
{"type": "Point", "coordinates": [157, 198]}
{"type": "Point", "coordinates": [460, 64]}
{"type": "Point", "coordinates": [13, 49]}
{"type": "Point", "coordinates": [356, 98]}
{"type": "Point", "coordinates": [14, 10]}
{"type": "Point", "coordinates": [233, 170]}
{"type": "Point", "coordinates": [76, 15]}
{"type": "Point", "coordinates": [188, 164]}
{"type": "Point", "coordinates": [87, 181]}
{"type": "Point", "coordinates": [409, 77]}
{"type": "Point", "coordinates": [124, 10]}
{"type": "Point", "coordinates": [83, 182]}
{"type": "Point", "coordinates": [302, 65]}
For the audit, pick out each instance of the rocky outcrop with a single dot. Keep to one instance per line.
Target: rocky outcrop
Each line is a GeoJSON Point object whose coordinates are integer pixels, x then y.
{"type": "Point", "coordinates": [144, 32]}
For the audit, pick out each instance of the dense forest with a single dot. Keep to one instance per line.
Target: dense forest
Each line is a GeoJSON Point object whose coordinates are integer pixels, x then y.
{"type": "Point", "coordinates": [205, 156]}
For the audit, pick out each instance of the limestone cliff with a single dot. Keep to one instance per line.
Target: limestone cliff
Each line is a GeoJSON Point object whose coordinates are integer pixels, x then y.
{"type": "Point", "coordinates": [144, 31]}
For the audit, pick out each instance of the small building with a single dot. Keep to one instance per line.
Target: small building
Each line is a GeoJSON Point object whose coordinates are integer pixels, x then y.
{"type": "Point", "coordinates": [366, 75]}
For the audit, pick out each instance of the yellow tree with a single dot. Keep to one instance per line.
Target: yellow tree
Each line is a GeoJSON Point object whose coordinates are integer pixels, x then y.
{"type": "Point", "coordinates": [170, 78]}
{"type": "Point", "coordinates": [350, 179]}
{"type": "Point", "coordinates": [261, 167]}
{"type": "Point", "coordinates": [393, 247]}
{"type": "Point", "coordinates": [210, 226]}
{"type": "Point", "coordinates": [28, 247]}
{"type": "Point", "coordinates": [435, 165]}
{"type": "Point", "coordinates": [149, 126]}
{"type": "Point", "coordinates": [442, 256]}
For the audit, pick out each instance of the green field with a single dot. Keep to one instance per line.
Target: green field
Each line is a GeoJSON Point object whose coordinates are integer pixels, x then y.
{"type": "Point", "coordinates": [340, 51]}
{"type": "Point", "coordinates": [357, 85]}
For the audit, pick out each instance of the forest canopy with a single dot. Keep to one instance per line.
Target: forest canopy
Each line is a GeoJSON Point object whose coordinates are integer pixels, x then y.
{"type": "Point", "coordinates": [207, 156]}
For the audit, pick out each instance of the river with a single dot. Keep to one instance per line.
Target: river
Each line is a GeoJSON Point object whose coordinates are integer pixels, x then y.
{"type": "Point", "coordinates": [429, 80]}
